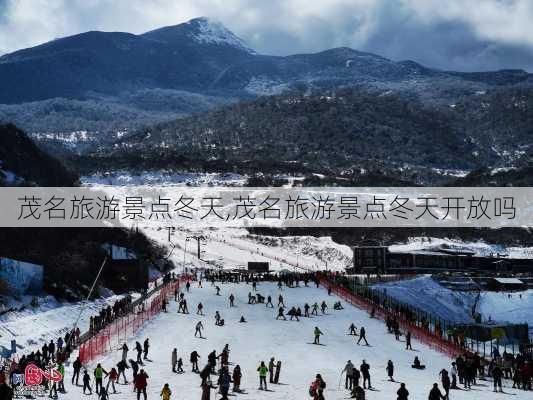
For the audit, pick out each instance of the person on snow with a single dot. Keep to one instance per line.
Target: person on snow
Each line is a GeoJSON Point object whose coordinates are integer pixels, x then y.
{"type": "Point", "coordinates": [263, 371]}
{"type": "Point", "coordinates": [306, 310]}
{"type": "Point", "coordinates": [323, 307]}
{"type": "Point", "coordinates": [317, 332]}
{"type": "Point", "coordinates": [353, 330]}
{"type": "Point", "coordinates": [217, 317]}
{"type": "Point", "coordinates": [497, 375]}
{"type": "Point", "coordinates": [121, 367]}
{"type": "Point", "coordinates": [269, 302]}
{"type": "Point", "coordinates": [205, 372]}
{"type": "Point", "coordinates": [180, 366]}
{"type": "Point", "coordinates": [87, 382]}
{"type": "Point", "coordinates": [224, 383]}
{"type": "Point", "coordinates": [104, 395]}
{"type": "Point", "coordinates": [365, 371]}
{"type": "Point", "coordinates": [134, 368]}
{"type": "Point", "coordinates": [445, 381]}
{"type": "Point", "coordinates": [281, 314]}
{"type": "Point", "coordinates": [358, 393]}
{"type": "Point", "coordinates": [403, 393]}
{"type": "Point", "coordinates": [271, 369]}
{"type": "Point", "coordinates": [390, 370]}
{"type": "Point", "coordinates": [356, 376]}
{"type": "Point", "coordinates": [280, 301]}
{"type": "Point", "coordinates": [293, 313]}
{"type": "Point", "coordinates": [146, 347]}
{"type": "Point", "coordinates": [194, 361]}
{"type": "Point", "coordinates": [166, 392]}
{"type": "Point", "coordinates": [198, 329]}
{"type": "Point", "coordinates": [141, 383]}
{"type": "Point", "coordinates": [242, 320]}
{"type": "Point", "coordinates": [231, 300]}
{"type": "Point", "coordinates": [315, 309]}
{"type": "Point", "coordinates": [124, 350]}
{"type": "Point", "coordinates": [199, 310]}
{"type": "Point", "coordinates": [174, 359]}
{"type": "Point", "coordinates": [362, 335]}
{"type": "Point", "coordinates": [76, 365]}
{"type": "Point", "coordinates": [212, 360]}
{"type": "Point", "coordinates": [348, 369]}
{"type": "Point", "coordinates": [98, 377]}
{"type": "Point", "coordinates": [417, 364]}
{"type": "Point", "coordinates": [218, 290]}
{"type": "Point", "coordinates": [435, 394]}
{"type": "Point", "coordinates": [317, 388]}
{"type": "Point", "coordinates": [206, 390]}
{"type": "Point", "coordinates": [139, 350]}
{"type": "Point", "coordinates": [188, 286]}
{"type": "Point", "coordinates": [237, 375]}
{"type": "Point", "coordinates": [408, 341]}
{"type": "Point", "coordinates": [112, 377]}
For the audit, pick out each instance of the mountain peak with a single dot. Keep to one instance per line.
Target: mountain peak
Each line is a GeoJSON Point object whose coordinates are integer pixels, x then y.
{"type": "Point", "coordinates": [201, 30]}
{"type": "Point", "coordinates": [207, 30]}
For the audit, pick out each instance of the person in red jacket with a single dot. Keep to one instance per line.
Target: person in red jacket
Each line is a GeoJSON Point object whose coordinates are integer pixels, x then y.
{"type": "Point", "coordinates": [111, 379]}
{"type": "Point", "coordinates": [141, 383]}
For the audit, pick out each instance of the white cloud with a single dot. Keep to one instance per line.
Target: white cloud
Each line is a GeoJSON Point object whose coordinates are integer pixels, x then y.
{"type": "Point", "coordinates": [465, 34]}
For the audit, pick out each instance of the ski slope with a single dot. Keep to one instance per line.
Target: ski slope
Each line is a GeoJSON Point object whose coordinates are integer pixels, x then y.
{"type": "Point", "coordinates": [263, 337]}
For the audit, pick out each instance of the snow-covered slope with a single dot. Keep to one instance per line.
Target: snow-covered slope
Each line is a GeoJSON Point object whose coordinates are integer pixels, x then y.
{"type": "Point", "coordinates": [263, 337]}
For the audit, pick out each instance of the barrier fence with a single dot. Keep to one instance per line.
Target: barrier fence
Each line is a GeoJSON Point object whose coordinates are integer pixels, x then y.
{"type": "Point", "coordinates": [113, 335]}
{"type": "Point", "coordinates": [422, 334]}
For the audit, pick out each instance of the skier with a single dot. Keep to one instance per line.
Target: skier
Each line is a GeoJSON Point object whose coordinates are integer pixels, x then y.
{"type": "Point", "coordinates": [353, 330]}
{"type": "Point", "coordinates": [435, 394]}
{"type": "Point", "coordinates": [139, 350]}
{"type": "Point", "coordinates": [365, 371]}
{"type": "Point", "coordinates": [317, 388]}
{"type": "Point", "coordinates": [124, 350]}
{"type": "Point", "coordinates": [146, 347]}
{"type": "Point", "coordinates": [323, 307]}
{"type": "Point", "coordinates": [218, 290]}
{"type": "Point", "coordinates": [348, 369]}
{"type": "Point", "coordinates": [217, 317]}
{"type": "Point", "coordinates": [445, 381]}
{"type": "Point", "coordinates": [98, 376]}
{"type": "Point", "coordinates": [111, 379]}
{"type": "Point", "coordinates": [306, 310]}
{"type": "Point", "coordinates": [174, 359]}
{"type": "Point", "coordinates": [317, 332]}
{"type": "Point", "coordinates": [293, 313]}
{"type": "Point", "coordinates": [497, 375]}
{"type": "Point", "coordinates": [121, 366]}
{"type": "Point", "coordinates": [280, 301]}
{"type": "Point", "coordinates": [87, 382]}
{"type": "Point", "coordinates": [263, 370]}
{"type": "Point", "coordinates": [224, 382]}
{"type": "Point", "coordinates": [356, 376]}
{"type": "Point", "coordinates": [166, 392]}
{"type": "Point", "coordinates": [281, 315]}
{"type": "Point", "coordinates": [362, 335]}
{"type": "Point", "coordinates": [271, 369]}
{"type": "Point", "coordinates": [141, 383]}
{"type": "Point", "coordinates": [408, 341]}
{"type": "Point", "coordinates": [180, 366]}
{"type": "Point", "coordinates": [198, 329]}
{"type": "Point", "coordinates": [206, 390]}
{"type": "Point", "coordinates": [390, 370]}
{"type": "Point", "coordinates": [194, 361]}
{"type": "Point", "coordinates": [237, 375]}
{"type": "Point", "coordinates": [188, 286]}
{"type": "Point", "coordinates": [134, 368]}
{"type": "Point", "coordinates": [104, 395]}
{"type": "Point", "coordinates": [315, 309]}
{"type": "Point", "coordinates": [403, 393]}
{"type": "Point", "coordinates": [199, 310]}
{"type": "Point", "coordinates": [231, 300]}
{"type": "Point", "coordinates": [269, 302]}
{"type": "Point", "coordinates": [76, 365]}
{"type": "Point", "coordinates": [358, 393]}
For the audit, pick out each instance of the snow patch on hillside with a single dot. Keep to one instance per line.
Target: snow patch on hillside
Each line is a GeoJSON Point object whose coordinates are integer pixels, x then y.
{"type": "Point", "coordinates": [213, 32]}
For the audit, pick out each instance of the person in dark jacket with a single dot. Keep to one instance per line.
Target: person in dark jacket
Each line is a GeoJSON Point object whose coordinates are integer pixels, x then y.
{"type": "Point", "coordinates": [76, 365]}
{"type": "Point", "coordinates": [141, 383]}
{"type": "Point", "coordinates": [403, 393]}
{"type": "Point", "coordinates": [435, 394]}
{"type": "Point", "coordinates": [497, 375]}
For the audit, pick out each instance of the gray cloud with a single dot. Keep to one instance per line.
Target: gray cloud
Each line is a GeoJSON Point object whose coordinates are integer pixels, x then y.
{"type": "Point", "coordinates": [456, 34]}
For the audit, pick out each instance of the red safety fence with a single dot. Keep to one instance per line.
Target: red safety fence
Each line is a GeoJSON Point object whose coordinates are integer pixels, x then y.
{"type": "Point", "coordinates": [423, 335]}
{"type": "Point", "coordinates": [113, 335]}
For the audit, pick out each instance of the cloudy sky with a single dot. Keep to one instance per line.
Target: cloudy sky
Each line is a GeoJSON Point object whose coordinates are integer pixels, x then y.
{"type": "Point", "coordinates": [451, 34]}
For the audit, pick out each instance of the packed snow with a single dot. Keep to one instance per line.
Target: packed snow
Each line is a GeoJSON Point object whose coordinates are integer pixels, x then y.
{"type": "Point", "coordinates": [262, 337]}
